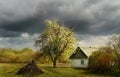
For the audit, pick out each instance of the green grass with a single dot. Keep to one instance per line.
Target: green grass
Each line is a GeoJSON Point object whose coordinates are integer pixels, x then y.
{"type": "Point", "coordinates": [9, 70]}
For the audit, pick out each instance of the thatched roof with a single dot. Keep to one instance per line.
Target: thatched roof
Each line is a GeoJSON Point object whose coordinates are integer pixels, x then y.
{"type": "Point", "coordinates": [31, 69]}
{"type": "Point", "coordinates": [79, 54]}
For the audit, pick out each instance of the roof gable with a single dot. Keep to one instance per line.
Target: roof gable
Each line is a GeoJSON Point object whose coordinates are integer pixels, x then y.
{"type": "Point", "coordinates": [79, 54]}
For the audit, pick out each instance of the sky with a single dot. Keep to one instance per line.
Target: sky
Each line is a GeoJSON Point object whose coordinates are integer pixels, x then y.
{"type": "Point", "coordinates": [22, 21]}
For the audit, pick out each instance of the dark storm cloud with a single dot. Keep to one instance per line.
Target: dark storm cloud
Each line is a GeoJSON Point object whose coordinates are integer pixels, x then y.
{"type": "Point", "coordinates": [23, 41]}
{"type": "Point", "coordinates": [85, 16]}
{"type": "Point", "coordinates": [29, 25]}
{"type": "Point", "coordinates": [21, 21]}
{"type": "Point", "coordinates": [6, 33]}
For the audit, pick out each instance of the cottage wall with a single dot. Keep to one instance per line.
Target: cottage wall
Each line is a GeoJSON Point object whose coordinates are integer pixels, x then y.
{"type": "Point", "coordinates": [77, 63]}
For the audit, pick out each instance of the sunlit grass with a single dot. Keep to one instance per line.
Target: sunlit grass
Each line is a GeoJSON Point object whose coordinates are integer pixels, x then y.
{"type": "Point", "coordinates": [9, 70]}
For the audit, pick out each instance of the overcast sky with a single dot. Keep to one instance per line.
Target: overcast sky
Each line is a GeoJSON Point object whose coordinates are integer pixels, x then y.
{"type": "Point", "coordinates": [94, 21]}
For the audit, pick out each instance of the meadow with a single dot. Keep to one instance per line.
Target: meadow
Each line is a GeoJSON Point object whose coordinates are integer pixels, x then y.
{"type": "Point", "coordinates": [10, 69]}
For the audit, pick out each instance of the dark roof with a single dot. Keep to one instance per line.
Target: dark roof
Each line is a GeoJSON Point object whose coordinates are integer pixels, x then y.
{"type": "Point", "coordinates": [79, 54]}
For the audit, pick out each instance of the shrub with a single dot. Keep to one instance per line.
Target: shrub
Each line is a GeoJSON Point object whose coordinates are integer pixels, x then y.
{"type": "Point", "coordinates": [101, 62]}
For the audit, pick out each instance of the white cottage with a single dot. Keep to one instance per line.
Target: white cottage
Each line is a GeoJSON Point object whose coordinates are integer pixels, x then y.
{"type": "Point", "coordinates": [79, 59]}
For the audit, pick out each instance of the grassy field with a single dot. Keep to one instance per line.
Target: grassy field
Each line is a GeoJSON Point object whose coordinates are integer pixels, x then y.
{"type": "Point", "coordinates": [9, 70]}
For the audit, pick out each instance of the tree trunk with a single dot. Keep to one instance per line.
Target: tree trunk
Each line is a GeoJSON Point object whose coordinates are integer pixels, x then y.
{"type": "Point", "coordinates": [54, 64]}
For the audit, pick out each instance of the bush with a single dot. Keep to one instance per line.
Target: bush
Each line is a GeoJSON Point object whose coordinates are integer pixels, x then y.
{"type": "Point", "coordinates": [101, 62]}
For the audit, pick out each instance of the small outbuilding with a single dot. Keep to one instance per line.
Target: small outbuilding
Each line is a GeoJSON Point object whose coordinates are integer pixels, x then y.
{"type": "Point", "coordinates": [79, 59]}
{"type": "Point", "coordinates": [30, 69]}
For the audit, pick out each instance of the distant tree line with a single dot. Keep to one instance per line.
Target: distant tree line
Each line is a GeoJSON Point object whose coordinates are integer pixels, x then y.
{"type": "Point", "coordinates": [9, 55]}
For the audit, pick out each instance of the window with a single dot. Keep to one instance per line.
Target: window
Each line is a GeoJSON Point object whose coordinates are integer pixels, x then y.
{"type": "Point", "coordinates": [82, 62]}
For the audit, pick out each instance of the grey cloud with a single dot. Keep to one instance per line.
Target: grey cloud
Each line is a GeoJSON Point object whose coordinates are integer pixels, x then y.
{"type": "Point", "coordinates": [24, 25]}
{"type": "Point", "coordinates": [85, 16]}
{"type": "Point", "coordinates": [89, 18]}
{"type": "Point", "coordinates": [5, 33]}
{"type": "Point", "coordinates": [18, 42]}
{"type": "Point", "coordinates": [103, 16]}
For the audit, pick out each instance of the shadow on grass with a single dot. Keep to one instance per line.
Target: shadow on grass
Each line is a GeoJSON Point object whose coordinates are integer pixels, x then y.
{"type": "Point", "coordinates": [87, 71]}
{"type": "Point", "coordinates": [53, 67]}
{"type": "Point", "coordinates": [80, 68]}
{"type": "Point", "coordinates": [109, 74]}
